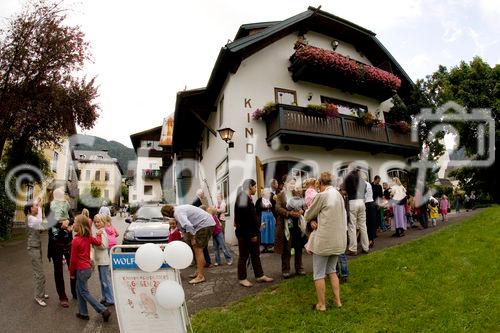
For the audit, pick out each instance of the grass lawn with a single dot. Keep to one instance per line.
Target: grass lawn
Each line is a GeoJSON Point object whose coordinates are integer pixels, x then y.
{"type": "Point", "coordinates": [448, 281]}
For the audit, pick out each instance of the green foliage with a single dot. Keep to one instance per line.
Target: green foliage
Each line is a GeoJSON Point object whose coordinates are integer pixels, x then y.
{"type": "Point", "coordinates": [472, 85]}
{"type": "Point", "coordinates": [7, 209]}
{"type": "Point", "coordinates": [124, 192]}
{"type": "Point", "coordinates": [445, 282]}
{"type": "Point", "coordinates": [95, 191]}
{"type": "Point", "coordinates": [17, 153]}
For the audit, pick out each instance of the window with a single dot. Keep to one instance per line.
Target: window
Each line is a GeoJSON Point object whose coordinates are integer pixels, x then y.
{"type": "Point", "coordinates": [222, 176]}
{"type": "Point", "coordinates": [106, 194]}
{"type": "Point", "coordinates": [100, 157]}
{"type": "Point", "coordinates": [150, 144]}
{"type": "Point", "coordinates": [344, 170]}
{"type": "Point", "coordinates": [55, 159]}
{"type": "Point", "coordinates": [285, 96]}
{"type": "Point", "coordinates": [299, 175]}
{"type": "Point", "coordinates": [97, 176]}
{"type": "Point", "coordinates": [148, 189]}
{"type": "Point", "coordinates": [134, 197]}
{"type": "Point", "coordinates": [347, 108]}
{"type": "Point", "coordinates": [221, 111]}
{"type": "Point", "coordinates": [87, 174]}
{"type": "Point", "coordinates": [400, 173]}
{"type": "Point", "coordinates": [29, 192]}
{"type": "Point", "coordinates": [153, 165]}
{"type": "Point", "coordinates": [82, 156]}
{"type": "Point", "coordinates": [106, 176]}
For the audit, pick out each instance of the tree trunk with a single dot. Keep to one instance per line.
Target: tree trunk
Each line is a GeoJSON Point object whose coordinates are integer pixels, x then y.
{"type": "Point", "coordinates": [2, 145]}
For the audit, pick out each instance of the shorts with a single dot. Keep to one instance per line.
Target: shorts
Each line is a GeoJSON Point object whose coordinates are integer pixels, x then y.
{"type": "Point", "coordinates": [324, 265]}
{"type": "Point", "coordinates": [202, 236]}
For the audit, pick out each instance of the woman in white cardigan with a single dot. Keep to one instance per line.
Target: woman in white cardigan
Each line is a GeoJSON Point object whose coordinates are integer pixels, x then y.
{"type": "Point", "coordinates": [329, 240]}
{"type": "Point", "coordinates": [398, 196]}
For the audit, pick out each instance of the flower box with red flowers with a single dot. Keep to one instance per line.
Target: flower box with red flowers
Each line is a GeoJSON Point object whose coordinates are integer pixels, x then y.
{"type": "Point", "coordinates": [329, 68]}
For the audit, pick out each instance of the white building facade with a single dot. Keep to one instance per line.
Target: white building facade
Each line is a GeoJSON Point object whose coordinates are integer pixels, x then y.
{"type": "Point", "coordinates": [289, 140]}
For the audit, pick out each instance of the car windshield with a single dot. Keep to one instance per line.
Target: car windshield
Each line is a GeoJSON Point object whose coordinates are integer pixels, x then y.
{"type": "Point", "coordinates": [149, 213]}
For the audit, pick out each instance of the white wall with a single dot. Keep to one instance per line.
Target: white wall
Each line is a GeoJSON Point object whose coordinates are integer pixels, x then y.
{"type": "Point", "coordinates": [112, 186]}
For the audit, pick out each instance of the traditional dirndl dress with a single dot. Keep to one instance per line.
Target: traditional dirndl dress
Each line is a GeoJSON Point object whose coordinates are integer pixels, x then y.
{"type": "Point", "coordinates": [267, 233]}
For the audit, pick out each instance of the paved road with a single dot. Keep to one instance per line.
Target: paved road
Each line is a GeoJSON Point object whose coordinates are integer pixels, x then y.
{"type": "Point", "coordinates": [19, 313]}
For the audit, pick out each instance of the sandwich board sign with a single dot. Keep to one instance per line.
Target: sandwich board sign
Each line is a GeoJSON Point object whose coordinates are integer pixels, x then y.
{"type": "Point", "coordinates": [134, 291]}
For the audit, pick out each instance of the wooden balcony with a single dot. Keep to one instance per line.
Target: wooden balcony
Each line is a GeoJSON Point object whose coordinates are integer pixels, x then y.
{"type": "Point", "coordinates": [151, 174]}
{"type": "Point", "coordinates": [293, 125]}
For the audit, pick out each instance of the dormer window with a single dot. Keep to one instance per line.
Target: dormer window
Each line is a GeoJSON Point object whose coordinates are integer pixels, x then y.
{"type": "Point", "coordinates": [82, 156]}
{"type": "Point", "coordinates": [100, 157]}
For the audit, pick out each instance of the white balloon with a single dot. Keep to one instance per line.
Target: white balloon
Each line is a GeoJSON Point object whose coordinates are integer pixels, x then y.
{"type": "Point", "coordinates": [170, 294]}
{"type": "Point", "coordinates": [149, 257]}
{"type": "Point", "coordinates": [178, 254]}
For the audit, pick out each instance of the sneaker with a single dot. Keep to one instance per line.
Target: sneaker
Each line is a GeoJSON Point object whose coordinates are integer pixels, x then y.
{"type": "Point", "coordinates": [46, 296]}
{"type": "Point", "coordinates": [40, 301]}
{"type": "Point", "coordinates": [286, 275]}
{"type": "Point", "coordinates": [64, 304]}
{"type": "Point", "coordinates": [105, 315]}
{"type": "Point", "coordinates": [216, 264]}
{"type": "Point", "coordinates": [264, 278]}
{"type": "Point", "coordinates": [230, 262]}
{"type": "Point", "coordinates": [301, 272]}
{"type": "Point", "coordinates": [245, 283]}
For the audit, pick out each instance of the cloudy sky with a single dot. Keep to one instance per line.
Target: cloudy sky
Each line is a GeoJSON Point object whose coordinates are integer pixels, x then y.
{"type": "Point", "coordinates": [145, 51]}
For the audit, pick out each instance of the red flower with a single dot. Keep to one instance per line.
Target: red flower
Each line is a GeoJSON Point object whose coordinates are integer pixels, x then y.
{"type": "Point", "coordinates": [334, 62]}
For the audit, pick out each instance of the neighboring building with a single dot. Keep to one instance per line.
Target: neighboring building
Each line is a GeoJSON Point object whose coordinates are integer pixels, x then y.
{"type": "Point", "coordinates": [62, 173]}
{"type": "Point", "coordinates": [98, 168]}
{"type": "Point", "coordinates": [153, 164]}
{"type": "Point", "coordinates": [278, 62]}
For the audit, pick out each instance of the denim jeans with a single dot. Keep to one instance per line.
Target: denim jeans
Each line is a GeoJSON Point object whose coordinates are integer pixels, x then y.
{"type": "Point", "coordinates": [219, 244]}
{"type": "Point", "coordinates": [343, 265]}
{"type": "Point", "coordinates": [106, 288]}
{"type": "Point", "coordinates": [83, 293]}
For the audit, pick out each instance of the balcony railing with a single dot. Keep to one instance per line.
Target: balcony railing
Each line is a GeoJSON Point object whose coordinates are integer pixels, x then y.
{"type": "Point", "coordinates": [292, 124]}
{"type": "Point", "coordinates": [151, 174]}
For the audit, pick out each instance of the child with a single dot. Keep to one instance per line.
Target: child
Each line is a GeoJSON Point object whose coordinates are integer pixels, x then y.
{"type": "Point", "coordinates": [110, 231]}
{"type": "Point", "coordinates": [60, 209]}
{"type": "Point", "coordinates": [310, 186]}
{"type": "Point", "coordinates": [174, 234]}
{"type": "Point", "coordinates": [80, 267]}
{"type": "Point", "coordinates": [433, 211]}
{"type": "Point", "coordinates": [219, 243]}
{"type": "Point", "coordinates": [264, 209]}
{"type": "Point", "coordinates": [101, 258]}
{"type": "Point", "coordinates": [34, 226]}
{"type": "Point", "coordinates": [444, 205]}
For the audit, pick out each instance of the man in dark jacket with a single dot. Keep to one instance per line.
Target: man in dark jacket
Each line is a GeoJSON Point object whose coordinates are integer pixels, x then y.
{"type": "Point", "coordinates": [247, 231]}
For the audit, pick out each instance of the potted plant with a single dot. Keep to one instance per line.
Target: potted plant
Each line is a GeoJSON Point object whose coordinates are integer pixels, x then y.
{"type": "Point", "coordinates": [401, 126]}
{"type": "Point", "coordinates": [262, 113]}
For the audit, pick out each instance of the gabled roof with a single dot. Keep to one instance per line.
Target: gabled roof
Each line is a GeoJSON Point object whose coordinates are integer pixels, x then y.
{"type": "Point", "coordinates": [152, 134]}
{"type": "Point", "coordinates": [248, 29]}
{"type": "Point", "coordinates": [313, 19]}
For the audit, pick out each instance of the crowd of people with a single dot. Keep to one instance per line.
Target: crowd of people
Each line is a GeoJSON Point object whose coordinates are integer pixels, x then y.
{"type": "Point", "coordinates": [329, 218]}
{"type": "Point", "coordinates": [77, 242]}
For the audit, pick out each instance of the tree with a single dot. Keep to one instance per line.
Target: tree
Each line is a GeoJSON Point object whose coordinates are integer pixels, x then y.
{"type": "Point", "coordinates": [95, 191]}
{"type": "Point", "coordinates": [472, 85]}
{"type": "Point", "coordinates": [41, 95]}
{"type": "Point", "coordinates": [124, 192]}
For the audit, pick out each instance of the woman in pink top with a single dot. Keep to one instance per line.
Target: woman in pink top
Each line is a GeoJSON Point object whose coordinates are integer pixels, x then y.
{"type": "Point", "coordinates": [443, 205]}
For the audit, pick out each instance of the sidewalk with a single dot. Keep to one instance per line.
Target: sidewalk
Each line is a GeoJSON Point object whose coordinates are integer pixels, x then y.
{"type": "Point", "coordinates": [222, 288]}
